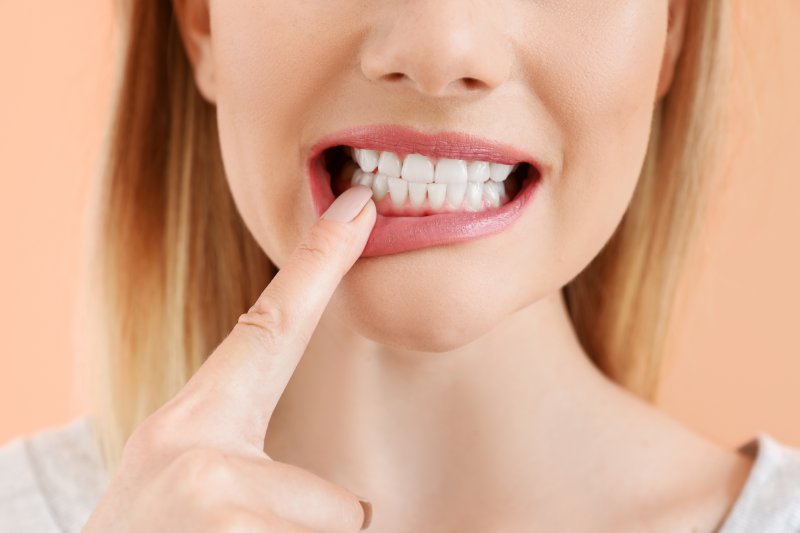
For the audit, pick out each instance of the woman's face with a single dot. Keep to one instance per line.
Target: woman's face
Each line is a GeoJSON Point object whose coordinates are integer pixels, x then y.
{"type": "Point", "coordinates": [570, 82]}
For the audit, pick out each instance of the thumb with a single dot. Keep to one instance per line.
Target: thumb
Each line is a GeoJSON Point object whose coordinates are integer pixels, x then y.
{"type": "Point", "coordinates": [245, 376]}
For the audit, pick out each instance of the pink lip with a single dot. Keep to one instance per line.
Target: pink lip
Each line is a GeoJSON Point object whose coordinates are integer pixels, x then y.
{"type": "Point", "coordinates": [401, 234]}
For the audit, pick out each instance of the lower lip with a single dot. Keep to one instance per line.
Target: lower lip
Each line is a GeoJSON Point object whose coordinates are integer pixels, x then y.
{"type": "Point", "coordinates": [392, 235]}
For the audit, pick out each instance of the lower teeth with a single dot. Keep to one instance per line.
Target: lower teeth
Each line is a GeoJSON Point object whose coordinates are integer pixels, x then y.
{"type": "Point", "coordinates": [470, 195]}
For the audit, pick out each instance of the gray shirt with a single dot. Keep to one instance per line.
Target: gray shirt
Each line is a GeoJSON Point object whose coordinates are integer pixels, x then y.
{"type": "Point", "coordinates": [51, 481]}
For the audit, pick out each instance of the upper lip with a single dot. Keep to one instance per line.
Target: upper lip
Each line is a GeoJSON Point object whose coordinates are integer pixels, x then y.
{"type": "Point", "coordinates": [445, 144]}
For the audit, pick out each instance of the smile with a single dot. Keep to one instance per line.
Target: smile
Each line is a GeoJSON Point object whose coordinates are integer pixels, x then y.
{"type": "Point", "coordinates": [428, 189]}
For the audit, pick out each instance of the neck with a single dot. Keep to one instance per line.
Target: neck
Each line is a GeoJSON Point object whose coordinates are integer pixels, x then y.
{"type": "Point", "coordinates": [497, 423]}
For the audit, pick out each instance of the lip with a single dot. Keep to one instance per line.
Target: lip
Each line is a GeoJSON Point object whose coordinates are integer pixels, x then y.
{"type": "Point", "coordinates": [395, 234]}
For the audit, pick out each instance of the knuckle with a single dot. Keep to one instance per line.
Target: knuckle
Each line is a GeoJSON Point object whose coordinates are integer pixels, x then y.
{"type": "Point", "coordinates": [152, 436]}
{"type": "Point", "coordinates": [164, 430]}
{"type": "Point", "coordinates": [203, 472]}
{"type": "Point", "coordinates": [268, 318]}
{"type": "Point", "coordinates": [321, 243]}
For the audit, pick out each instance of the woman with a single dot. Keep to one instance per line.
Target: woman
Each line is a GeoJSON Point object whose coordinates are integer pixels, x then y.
{"type": "Point", "coordinates": [469, 336]}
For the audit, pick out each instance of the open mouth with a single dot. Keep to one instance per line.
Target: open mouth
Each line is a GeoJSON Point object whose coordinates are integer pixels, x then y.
{"type": "Point", "coordinates": [412, 185]}
{"type": "Point", "coordinates": [424, 194]}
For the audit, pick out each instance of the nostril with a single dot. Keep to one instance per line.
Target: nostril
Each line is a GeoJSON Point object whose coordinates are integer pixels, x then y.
{"type": "Point", "coordinates": [472, 83]}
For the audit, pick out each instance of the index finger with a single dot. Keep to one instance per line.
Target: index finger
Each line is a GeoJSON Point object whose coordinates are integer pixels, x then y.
{"type": "Point", "coordinates": [243, 379]}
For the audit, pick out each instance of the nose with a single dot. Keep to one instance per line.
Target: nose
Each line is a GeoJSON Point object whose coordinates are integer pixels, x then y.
{"type": "Point", "coordinates": [440, 47]}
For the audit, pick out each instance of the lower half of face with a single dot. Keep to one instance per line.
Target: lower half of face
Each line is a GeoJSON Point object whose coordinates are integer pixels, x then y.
{"type": "Point", "coordinates": [571, 83]}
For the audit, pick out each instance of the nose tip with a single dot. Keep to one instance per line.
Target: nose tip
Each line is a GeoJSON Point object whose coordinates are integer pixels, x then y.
{"type": "Point", "coordinates": [438, 47]}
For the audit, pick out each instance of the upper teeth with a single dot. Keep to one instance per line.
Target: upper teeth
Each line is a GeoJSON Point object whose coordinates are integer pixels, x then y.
{"type": "Point", "coordinates": [407, 178]}
{"type": "Point", "coordinates": [421, 169]}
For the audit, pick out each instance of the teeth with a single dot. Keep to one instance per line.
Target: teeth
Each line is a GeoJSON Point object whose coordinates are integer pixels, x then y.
{"type": "Point", "coordinates": [416, 193]}
{"type": "Point", "coordinates": [362, 178]}
{"type": "Point", "coordinates": [418, 169]}
{"type": "Point", "coordinates": [474, 195]}
{"type": "Point", "coordinates": [436, 194]}
{"type": "Point", "coordinates": [450, 171]}
{"type": "Point", "coordinates": [455, 194]}
{"type": "Point", "coordinates": [491, 191]}
{"type": "Point", "coordinates": [417, 177]}
{"type": "Point", "coordinates": [389, 164]}
{"type": "Point", "coordinates": [499, 171]}
{"type": "Point", "coordinates": [380, 186]}
{"type": "Point", "coordinates": [366, 159]}
{"type": "Point", "coordinates": [398, 190]}
{"type": "Point", "coordinates": [478, 171]}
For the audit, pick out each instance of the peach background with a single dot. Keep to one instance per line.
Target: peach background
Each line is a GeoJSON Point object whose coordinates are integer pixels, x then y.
{"type": "Point", "coordinates": [737, 363]}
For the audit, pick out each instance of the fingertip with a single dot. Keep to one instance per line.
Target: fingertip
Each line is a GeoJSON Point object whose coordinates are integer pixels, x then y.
{"type": "Point", "coordinates": [367, 506]}
{"type": "Point", "coordinates": [349, 205]}
{"type": "Point", "coordinates": [363, 223]}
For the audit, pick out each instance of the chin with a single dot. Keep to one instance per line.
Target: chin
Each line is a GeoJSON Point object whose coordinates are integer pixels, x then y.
{"type": "Point", "coordinates": [414, 302]}
{"type": "Point", "coordinates": [424, 332]}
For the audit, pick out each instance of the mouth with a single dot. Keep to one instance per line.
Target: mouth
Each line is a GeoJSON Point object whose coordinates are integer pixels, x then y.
{"type": "Point", "coordinates": [428, 190]}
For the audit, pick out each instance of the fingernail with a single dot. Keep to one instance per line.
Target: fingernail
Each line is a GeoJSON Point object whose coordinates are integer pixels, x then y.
{"type": "Point", "coordinates": [348, 204]}
{"type": "Point", "coordinates": [367, 513]}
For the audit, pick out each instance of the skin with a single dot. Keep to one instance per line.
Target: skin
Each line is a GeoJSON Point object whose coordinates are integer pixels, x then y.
{"type": "Point", "coordinates": [476, 409]}
{"type": "Point", "coordinates": [198, 462]}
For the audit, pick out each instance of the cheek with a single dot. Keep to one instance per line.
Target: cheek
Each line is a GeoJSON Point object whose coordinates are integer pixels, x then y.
{"type": "Point", "coordinates": [600, 87]}
{"type": "Point", "coordinates": [266, 81]}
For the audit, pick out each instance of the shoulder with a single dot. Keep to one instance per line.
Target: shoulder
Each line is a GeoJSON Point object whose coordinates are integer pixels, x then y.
{"type": "Point", "coordinates": [770, 498]}
{"type": "Point", "coordinates": [51, 480]}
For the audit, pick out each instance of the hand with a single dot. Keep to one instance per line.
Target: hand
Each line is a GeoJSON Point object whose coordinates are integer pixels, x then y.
{"type": "Point", "coordinates": [198, 463]}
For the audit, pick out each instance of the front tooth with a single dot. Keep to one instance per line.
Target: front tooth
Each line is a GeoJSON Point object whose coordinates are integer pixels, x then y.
{"type": "Point", "coordinates": [416, 192]}
{"type": "Point", "coordinates": [366, 159]}
{"type": "Point", "coordinates": [478, 171]}
{"type": "Point", "coordinates": [417, 168]}
{"type": "Point", "coordinates": [450, 171]}
{"type": "Point", "coordinates": [491, 190]}
{"type": "Point", "coordinates": [389, 164]}
{"type": "Point", "coordinates": [499, 171]}
{"type": "Point", "coordinates": [398, 190]}
{"type": "Point", "coordinates": [380, 186]}
{"type": "Point", "coordinates": [475, 195]}
{"type": "Point", "coordinates": [455, 194]}
{"type": "Point", "coordinates": [436, 194]}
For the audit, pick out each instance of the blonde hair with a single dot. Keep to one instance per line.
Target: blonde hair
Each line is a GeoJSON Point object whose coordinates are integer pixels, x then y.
{"type": "Point", "coordinates": [173, 265]}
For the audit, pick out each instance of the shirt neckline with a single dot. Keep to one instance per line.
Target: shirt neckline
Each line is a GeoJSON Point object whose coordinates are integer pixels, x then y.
{"type": "Point", "coordinates": [758, 447]}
